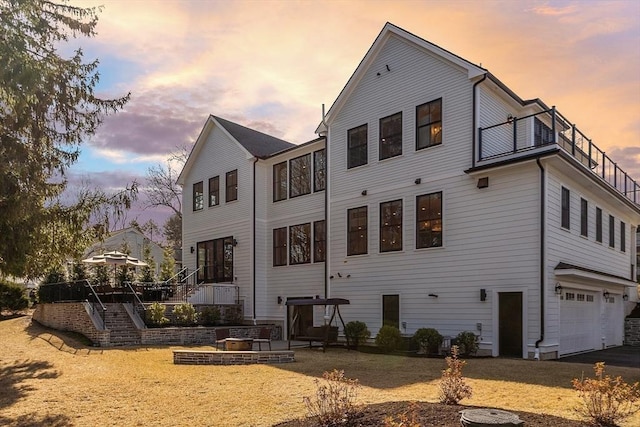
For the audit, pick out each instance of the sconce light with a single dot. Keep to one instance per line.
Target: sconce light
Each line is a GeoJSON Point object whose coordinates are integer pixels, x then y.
{"type": "Point", "coordinates": [418, 180]}
{"type": "Point", "coordinates": [331, 277]}
{"type": "Point", "coordinates": [235, 242]}
{"type": "Point", "coordinates": [348, 275]}
{"type": "Point", "coordinates": [625, 297]}
{"type": "Point", "coordinates": [339, 275]}
{"type": "Point", "coordinates": [483, 294]}
{"type": "Point", "coordinates": [558, 289]}
{"type": "Point", "coordinates": [364, 192]}
{"type": "Point", "coordinates": [605, 294]}
{"type": "Point", "coordinates": [279, 300]}
{"type": "Point", "coordinates": [192, 249]}
{"type": "Point", "coordinates": [483, 182]}
{"type": "Point", "coordinates": [433, 295]}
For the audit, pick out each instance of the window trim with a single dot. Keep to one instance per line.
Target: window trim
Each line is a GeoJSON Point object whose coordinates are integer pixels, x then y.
{"type": "Point", "coordinates": [306, 190]}
{"type": "Point", "coordinates": [364, 143]}
{"type": "Point", "coordinates": [277, 183]}
{"type": "Point", "coordinates": [307, 259]}
{"type": "Point", "coordinates": [275, 250]}
{"type": "Point", "coordinates": [320, 244]}
{"type": "Point", "coordinates": [565, 208]}
{"type": "Point", "coordinates": [418, 126]}
{"type": "Point", "coordinates": [419, 219]}
{"type": "Point", "coordinates": [381, 139]}
{"type": "Point", "coordinates": [388, 228]}
{"type": "Point", "coordinates": [584, 217]}
{"type": "Point", "coordinates": [198, 198]}
{"type": "Point", "coordinates": [215, 179]}
{"type": "Point", "coordinates": [350, 232]}
{"type": "Point", "coordinates": [316, 170]}
{"type": "Point", "coordinates": [231, 190]}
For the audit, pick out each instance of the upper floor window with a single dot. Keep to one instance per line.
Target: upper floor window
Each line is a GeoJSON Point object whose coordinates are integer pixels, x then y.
{"type": "Point", "coordinates": [280, 246]}
{"type": "Point", "coordinates": [280, 181]}
{"type": "Point", "coordinates": [612, 231]}
{"type": "Point", "coordinates": [566, 208]}
{"type": "Point", "coordinates": [584, 218]}
{"type": "Point", "coordinates": [300, 175]}
{"type": "Point", "coordinates": [319, 241]}
{"type": "Point", "coordinates": [623, 236]}
{"type": "Point", "coordinates": [214, 191]}
{"type": "Point", "coordinates": [357, 231]}
{"type": "Point", "coordinates": [300, 244]}
{"type": "Point", "coordinates": [357, 154]}
{"type": "Point", "coordinates": [391, 226]}
{"type": "Point", "coordinates": [198, 196]}
{"type": "Point", "coordinates": [429, 124]}
{"type": "Point", "coordinates": [429, 220]}
{"type": "Point", "coordinates": [598, 225]}
{"type": "Point", "coordinates": [319, 169]}
{"type": "Point", "coordinates": [390, 136]}
{"type": "Point", "coordinates": [541, 133]}
{"type": "Point", "coordinates": [232, 186]}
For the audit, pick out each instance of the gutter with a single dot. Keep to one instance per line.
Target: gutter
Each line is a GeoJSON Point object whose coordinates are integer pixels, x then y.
{"type": "Point", "coordinates": [474, 136]}
{"type": "Point", "coordinates": [253, 225]}
{"type": "Point", "coordinates": [542, 257]}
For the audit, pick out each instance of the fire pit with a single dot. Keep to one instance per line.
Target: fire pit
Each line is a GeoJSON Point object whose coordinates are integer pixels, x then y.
{"type": "Point", "coordinates": [238, 344]}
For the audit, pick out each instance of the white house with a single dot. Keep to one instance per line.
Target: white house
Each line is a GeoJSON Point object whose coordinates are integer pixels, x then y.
{"type": "Point", "coordinates": [434, 197]}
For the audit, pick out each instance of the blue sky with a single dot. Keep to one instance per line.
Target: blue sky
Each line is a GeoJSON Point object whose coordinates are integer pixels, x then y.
{"type": "Point", "coordinates": [271, 65]}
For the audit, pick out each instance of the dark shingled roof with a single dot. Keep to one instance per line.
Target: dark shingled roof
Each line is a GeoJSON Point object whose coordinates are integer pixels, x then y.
{"type": "Point", "coordinates": [257, 143]}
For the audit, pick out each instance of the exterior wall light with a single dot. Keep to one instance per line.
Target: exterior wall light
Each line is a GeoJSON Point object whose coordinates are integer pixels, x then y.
{"type": "Point", "coordinates": [606, 294]}
{"type": "Point", "coordinates": [558, 289]}
{"type": "Point", "coordinates": [625, 297]}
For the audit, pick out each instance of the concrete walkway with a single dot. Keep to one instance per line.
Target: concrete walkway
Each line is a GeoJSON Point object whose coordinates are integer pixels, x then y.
{"type": "Point", "coordinates": [625, 356]}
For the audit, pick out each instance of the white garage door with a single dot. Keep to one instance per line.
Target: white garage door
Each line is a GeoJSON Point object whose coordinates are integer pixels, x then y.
{"type": "Point", "coordinates": [614, 321]}
{"type": "Point", "coordinates": [579, 322]}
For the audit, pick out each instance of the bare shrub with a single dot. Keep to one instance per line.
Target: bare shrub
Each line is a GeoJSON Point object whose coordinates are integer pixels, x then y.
{"type": "Point", "coordinates": [606, 400]}
{"type": "Point", "coordinates": [335, 400]}
{"type": "Point", "coordinates": [408, 418]}
{"type": "Point", "coordinates": [453, 387]}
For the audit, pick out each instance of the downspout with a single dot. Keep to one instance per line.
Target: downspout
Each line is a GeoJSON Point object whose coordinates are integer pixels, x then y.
{"type": "Point", "coordinates": [253, 224]}
{"type": "Point", "coordinates": [542, 257]}
{"type": "Point", "coordinates": [475, 127]}
{"type": "Point", "coordinates": [326, 208]}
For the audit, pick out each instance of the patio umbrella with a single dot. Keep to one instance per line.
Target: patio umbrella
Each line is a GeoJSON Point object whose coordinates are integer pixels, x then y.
{"type": "Point", "coordinates": [114, 258]}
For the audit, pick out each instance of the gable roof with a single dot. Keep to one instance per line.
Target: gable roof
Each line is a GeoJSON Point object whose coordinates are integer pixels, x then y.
{"type": "Point", "coordinates": [254, 143]}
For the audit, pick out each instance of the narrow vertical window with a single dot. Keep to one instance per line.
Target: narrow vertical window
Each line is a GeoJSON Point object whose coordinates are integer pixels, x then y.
{"type": "Point", "coordinates": [300, 244]}
{"type": "Point", "coordinates": [357, 147]}
{"type": "Point", "coordinates": [280, 246]}
{"type": "Point", "coordinates": [214, 191]}
{"type": "Point", "coordinates": [390, 136]}
{"type": "Point", "coordinates": [391, 310]}
{"type": "Point", "coordinates": [357, 231]}
{"type": "Point", "coordinates": [542, 134]}
{"type": "Point", "coordinates": [566, 208]}
{"type": "Point", "coordinates": [598, 225]}
{"type": "Point", "coordinates": [280, 181]}
{"type": "Point", "coordinates": [198, 196]}
{"type": "Point", "coordinates": [319, 241]}
{"type": "Point", "coordinates": [300, 176]}
{"type": "Point", "coordinates": [232, 186]}
{"type": "Point", "coordinates": [612, 231]}
{"type": "Point", "coordinates": [429, 124]}
{"type": "Point", "coordinates": [584, 218]}
{"type": "Point", "coordinates": [429, 220]}
{"type": "Point", "coordinates": [623, 236]}
{"type": "Point", "coordinates": [391, 226]}
{"type": "Point", "coordinates": [319, 170]}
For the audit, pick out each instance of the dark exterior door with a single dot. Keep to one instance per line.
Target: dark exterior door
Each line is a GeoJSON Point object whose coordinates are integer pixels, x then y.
{"type": "Point", "coordinates": [302, 318]}
{"type": "Point", "coordinates": [510, 324]}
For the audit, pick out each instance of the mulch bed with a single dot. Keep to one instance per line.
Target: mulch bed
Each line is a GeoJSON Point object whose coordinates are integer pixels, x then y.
{"type": "Point", "coordinates": [429, 414]}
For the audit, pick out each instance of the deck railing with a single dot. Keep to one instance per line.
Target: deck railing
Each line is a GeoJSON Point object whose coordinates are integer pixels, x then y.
{"type": "Point", "coordinates": [79, 290]}
{"type": "Point", "coordinates": [516, 136]}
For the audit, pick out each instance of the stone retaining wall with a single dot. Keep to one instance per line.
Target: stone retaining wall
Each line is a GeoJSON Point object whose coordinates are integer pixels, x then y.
{"type": "Point", "coordinates": [70, 316]}
{"type": "Point", "coordinates": [191, 357]}
{"type": "Point", "coordinates": [632, 332]}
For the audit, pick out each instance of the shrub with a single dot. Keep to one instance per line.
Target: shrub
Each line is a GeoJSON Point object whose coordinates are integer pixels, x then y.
{"type": "Point", "coordinates": [467, 342]}
{"type": "Point", "coordinates": [453, 387]}
{"type": "Point", "coordinates": [408, 418]}
{"type": "Point", "coordinates": [12, 297]}
{"type": "Point", "coordinates": [389, 339]}
{"type": "Point", "coordinates": [606, 400]}
{"type": "Point", "coordinates": [185, 314]}
{"type": "Point", "coordinates": [335, 400]}
{"type": "Point", "coordinates": [428, 340]}
{"type": "Point", "coordinates": [356, 333]}
{"type": "Point", "coordinates": [155, 314]}
{"type": "Point", "coordinates": [210, 316]}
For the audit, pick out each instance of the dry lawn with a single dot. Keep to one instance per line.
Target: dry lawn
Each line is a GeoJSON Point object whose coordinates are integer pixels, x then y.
{"type": "Point", "coordinates": [47, 378]}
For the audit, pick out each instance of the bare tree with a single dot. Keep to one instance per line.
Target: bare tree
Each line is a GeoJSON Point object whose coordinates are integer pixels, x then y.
{"type": "Point", "coordinates": [162, 188]}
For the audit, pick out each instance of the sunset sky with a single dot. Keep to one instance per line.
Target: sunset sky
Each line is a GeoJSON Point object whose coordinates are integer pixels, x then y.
{"type": "Point", "coordinates": [270, 65]}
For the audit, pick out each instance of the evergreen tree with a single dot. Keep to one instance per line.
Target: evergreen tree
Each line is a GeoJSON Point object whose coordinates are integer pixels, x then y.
{"type": "Point", "coordinates": [148, 272]}
{"type": "Point", "coordinates": [168, 265]}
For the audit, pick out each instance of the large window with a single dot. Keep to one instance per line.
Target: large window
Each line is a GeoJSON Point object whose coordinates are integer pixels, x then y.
{"type": "Point", "coordinates": [612, 231]}
{"type": "Point", "coordinates": [357, 231]}
{"type": "Point", "coordinates": [215, 260]}
{"type": "Point", "coordinates": [319, 170]}
{"type": "Point", "coordinates": [391, 226]}
{"type": "Point", "coordinates": [566, 208]}
{"type": "Point", "coordinates": [429, 220]}
{"type": "Point", "coordinates": [390, 136]}
{"type": "Point", "coordinates": [319, 241]}
{"type": "Point", "coordinates": [598, 225]}
{"type": "Point", "coordinates": [232, 186]}
{"type": "Point", "coordinates": [623, 236]}
{"type": "Point", "coordinates": [198, 196]}
{"type": "Point", "coordinates": [584, 218]}
{"type": "Point", "coordinates": [541, 133]}
{"type": "Point", "coordinates": [280, 246]}
{"type": "Point", "coordinates": [214, 191]}
{"type": "Point", "coordinates": [300, 175]}
{"type": "Point", "coordinates": [357, 147]}
{"type": "Point", "coordinates": [280, 181]}
{"type": "Point", "coordinates": [429, 124]}
{"type": "Point", "coordinates": [391, 310]}
{"type": "Point", "coordinates": [300, 244]}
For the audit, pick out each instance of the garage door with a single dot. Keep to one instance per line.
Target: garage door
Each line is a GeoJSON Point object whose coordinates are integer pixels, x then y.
{"type": "Point", "coordinates": [614, 321]}
{"type": "Point", "coordinates": [579, 326]}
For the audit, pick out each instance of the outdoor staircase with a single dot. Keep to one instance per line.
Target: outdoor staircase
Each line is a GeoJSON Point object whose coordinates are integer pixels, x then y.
{"type": "Point", "coordinates": [123, 330]}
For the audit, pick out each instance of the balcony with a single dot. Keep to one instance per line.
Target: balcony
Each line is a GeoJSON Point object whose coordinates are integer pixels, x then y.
{"type": "Point", "coordinates": [548, 131]}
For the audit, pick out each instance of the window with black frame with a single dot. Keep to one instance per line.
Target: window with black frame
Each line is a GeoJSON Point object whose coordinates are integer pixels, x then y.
{"type": "Point", "coordinates": [566, 209]}
{"type": "Point", "coordinates": [319, 241]}
{"type": "Point", "coordinates": [584, 218]}
{"type": "Point", "coordinates": [198, 196]}
{"type": "Point", "coordinates": [214, 260]}
{"type": "Point", "coordinates": [232, 186]}
{"type": "Point", "coordinates": [279, 246]}
{"type": "Point", "coordinates": [300, 175]}
{"type": "Point", "coordinates": [214, 191]}
{"type": "Point", "coordinates": [319, 170]}
{"type": "Point", "coordinates": [598, 225]}
{"type": "Point", "coordinates": [357, 231]}
{"type": "Point", "coordinates": [300, 244]}
{"type": "Point", "coordinates": [357, 151]}
{"type": "Point", "coordinates": [391, 226]}
{"type": "Point", "coordinates": [391, 310]}
{"type": "Point", "coordinates": [280, 181]}
{"type": "Point", "coordinates": [390, 136]}
{"type": "Point", "coordinates": [612, 231]}
{"type": "Point", "coordinates": [429, 220]}
{"type": "Point", "coordinates": [429, 124]}
{"type": "Point", "coordinates": [542, 134]}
